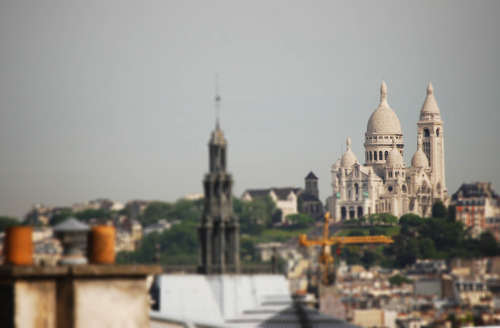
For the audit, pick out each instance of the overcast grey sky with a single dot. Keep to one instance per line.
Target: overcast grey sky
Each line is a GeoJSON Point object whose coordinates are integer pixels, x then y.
{"type": "Point", "coordinates": [115, 98]}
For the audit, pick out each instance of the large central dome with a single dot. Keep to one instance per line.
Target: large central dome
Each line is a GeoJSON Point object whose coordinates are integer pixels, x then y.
{"type": "Point", "coordinates": [383, 119]}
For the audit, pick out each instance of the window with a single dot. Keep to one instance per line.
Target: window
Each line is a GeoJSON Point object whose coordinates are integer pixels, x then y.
{"type": "Point", "coordinates": [386, 153]}
{"type": "Point", "coordinates": [380, 155]}
{"type": "Point", "coordinates": [427, 133]}
{"type": "Point", "coordinates": [375, 155]}
{"type": "Point", "coordinates": [371, 158]}
{"type": "Point", "coordinates": [437, 132]}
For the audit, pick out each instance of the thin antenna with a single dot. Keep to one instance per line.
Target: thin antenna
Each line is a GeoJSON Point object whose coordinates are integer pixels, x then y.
{"type": "Point", "coordinates": [217, 101]}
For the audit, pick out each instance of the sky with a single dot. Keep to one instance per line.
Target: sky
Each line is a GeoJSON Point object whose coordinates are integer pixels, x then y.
{"type": "Point", "coordinates": [115, 99]}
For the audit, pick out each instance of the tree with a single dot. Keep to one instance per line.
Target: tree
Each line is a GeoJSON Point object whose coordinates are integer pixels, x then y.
{"type": "Point", "coordinates": [88, 214]}
{"type": "Point", "coordinates": [155, 211]}
{"type": "Point", "coordinates": [368, 259]}
{"type": "Point", "coordinates": [60, 217]}
{"type": "Point", "coordinates": [487, 244]}
{"type": "Point", "coordinates": [376, 231]}
{"type": "Point", "coordinates": [427, 248]}
{"type": "Point", "coordinates": [412, 220]}
{"type": "Point", "coordinates": [254, 215]}
{"type": "Point", "coordinates": [452, 213]}
{"type": "Point", "coordinates": [398, 280]}
{"type": "Point", "coordinates": [300, 220]}
{"type": "Point", "coordinates": [7, 221]}
{"type": "Point", "coordinates": [387, 218]}
{"type": "Point", "coordinates": [356, 232]}
{"type": "Point", "coordinates": [439, 210]}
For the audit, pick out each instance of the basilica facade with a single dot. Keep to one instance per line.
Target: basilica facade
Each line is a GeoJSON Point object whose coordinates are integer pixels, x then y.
{"type": "Point", "coordinates": [384, 184]}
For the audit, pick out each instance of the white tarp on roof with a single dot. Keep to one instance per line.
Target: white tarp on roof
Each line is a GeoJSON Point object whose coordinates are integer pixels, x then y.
{"type": "Point", "coordinates": [221, 300]}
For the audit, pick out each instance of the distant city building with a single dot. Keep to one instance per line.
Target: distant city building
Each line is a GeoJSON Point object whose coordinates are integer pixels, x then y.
{"type": "Point", "coordinates": [158, 227]}
{"type": "Point", "coordinates": [384, 184]}
{"type": "Point", "coordinates": [219, 228]}
{"type": "Point", "coordinates": [129, 234]}
{"type": "Point", "coordinates": [39, 215]}
{"type": "Point", "coordinates": [478, 207]}
{"type": "Point", "coordinates": [136, 207]}
{"type": "Point", "coordinates": [194, 196]}
{"type": "Point", "coordinates": [285, 199]}
{"type": "Point", "coordinates": [309, 199]}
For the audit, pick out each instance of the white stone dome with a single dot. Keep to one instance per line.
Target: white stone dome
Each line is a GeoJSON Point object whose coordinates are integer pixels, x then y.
{"type": "Point", "coordinates": [419, 159]}
{"type": "Point", "coordinates": [394, 158]}
{"type": "Point", "coordinates": [383, 120]}
{"type": "Point", "coordinates": [348, 159]}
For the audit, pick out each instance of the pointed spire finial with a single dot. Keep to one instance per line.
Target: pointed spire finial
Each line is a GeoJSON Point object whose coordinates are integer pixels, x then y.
{"type": "Point", "coordinates": [348, 143]}
{"type": "Point", "coordinates": [430, 88]}
{"type": "Point", "coordinates": [383, 92]}
{"type": "Point", "coordinates": [217, 102]}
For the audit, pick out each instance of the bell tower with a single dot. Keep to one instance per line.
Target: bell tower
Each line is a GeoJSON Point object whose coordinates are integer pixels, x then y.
{"type": "Point", "coordinates": [430, 127]}
{"type": "Point", "coordinates": [218, 230]}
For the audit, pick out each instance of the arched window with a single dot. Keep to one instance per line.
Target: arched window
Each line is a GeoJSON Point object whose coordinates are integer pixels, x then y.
{"type": "Point", "coordinates": [360, 212]}
{"type": "Point", "coordinates": [403, 187]}
{"type": "Point", "coordinates": [375, 155]}
{"type": "Point", "coordinates": [357, 188]}
{"type": "Point", "coordinates": [371, 157]}
{"type": "Point", "coordinates": [366, 157]}
{"type": "Point", "coordinates": [386, 153]}
{"type": "Point", "coordinates": [352, 212]}
{"type": "Point", "coordinates": [437, 132]}
{"type": "Point", "coordinates": [380, 155]}
{"type": "Point", "coordinates": [427, 133]}
{"type": "Point", "coordinates": [343, 213]}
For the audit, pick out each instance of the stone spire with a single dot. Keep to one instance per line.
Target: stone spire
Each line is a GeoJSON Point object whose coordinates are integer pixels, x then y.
{"type": "Point", "coordinates": [218, 230]}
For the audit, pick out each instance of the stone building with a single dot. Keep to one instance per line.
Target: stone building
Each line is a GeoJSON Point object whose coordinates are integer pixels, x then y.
{"type": "Point", "coordinates": [218, 229]}
{"type": "Point", "coordinates": [310, 203]}
{"type": "Point", "coordinates": [284, 198]}
{"type": "Point", "coordinates": [384, 184]}
{"type": "Point", "coordinates": [478, 207]}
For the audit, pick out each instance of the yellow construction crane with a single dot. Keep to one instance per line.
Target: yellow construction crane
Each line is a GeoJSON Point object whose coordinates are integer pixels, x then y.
{"type": "Point", "coordinates": [326, 242]}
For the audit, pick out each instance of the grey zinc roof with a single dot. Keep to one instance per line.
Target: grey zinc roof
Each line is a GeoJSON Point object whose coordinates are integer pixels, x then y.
{"type": "Point", "coordinates": [283, 193]}
{"type": "Point", "coordinates": [311, 175]}
{"type": "Point", "coordinates": [309, 198]}
{"type": "Point", "coordinates": [300, 316]}
{"type": "Point", "coordinates": [71, 224]}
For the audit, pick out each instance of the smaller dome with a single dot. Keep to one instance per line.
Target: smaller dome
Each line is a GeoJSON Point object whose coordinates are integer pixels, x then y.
{"type": "Point", "coordinates": [394, 158]}
{"type": "Point", "coordinates": [419, 159]}
{"type": "Point", "coordinates": [348, 159]}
